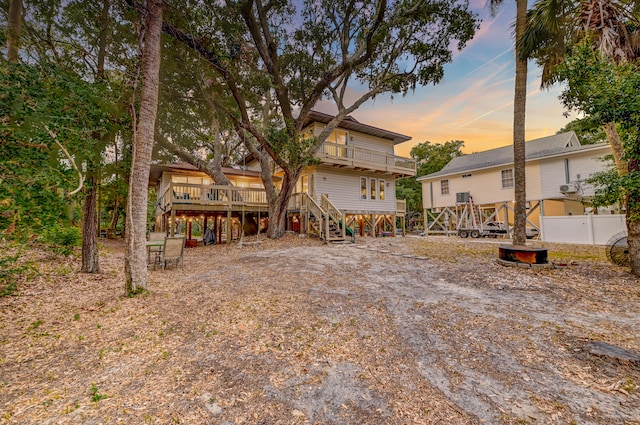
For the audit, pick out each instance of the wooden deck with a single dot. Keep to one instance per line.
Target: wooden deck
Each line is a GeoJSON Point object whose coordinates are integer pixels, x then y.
{"type": "Point", "coordinates": [195, 197]}
{"type": "Point", "coordinates": [228, 207]}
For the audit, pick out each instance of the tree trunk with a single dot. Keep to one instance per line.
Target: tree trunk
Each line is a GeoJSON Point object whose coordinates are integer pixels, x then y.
{"type": "Point", "coordinates": [13, 30]}
{"type": "Point", "coordinates": [135, 250]}
{"type": "Point", "coordinates": [90, 223]}
{"type": "Point", "coordinates": [519, 106]}
{"type": "Point", "coordinates": [616, 147]}
{"type": "Point", "coordinates": [111, 233]}
{"type": "Point", "coordinates": [633, 208]}
{"type": "Point", "coordinates": [90, 259]}
{"type": "Point", "coordinates": [278, 206]}
{"type": "Point", "coordinates": [633, 239]}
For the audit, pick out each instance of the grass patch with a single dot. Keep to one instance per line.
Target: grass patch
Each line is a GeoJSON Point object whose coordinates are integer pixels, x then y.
{"type": "Point", "coordinates": [95, 394]}
{"type": "Point", "coordinates": [11, 272]}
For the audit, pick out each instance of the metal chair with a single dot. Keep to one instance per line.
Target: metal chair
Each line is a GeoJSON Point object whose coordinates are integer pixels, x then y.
{"type": "Point", "coordinates": [173, 251]}
{"type": "Point", "coordinates": [156, 250]}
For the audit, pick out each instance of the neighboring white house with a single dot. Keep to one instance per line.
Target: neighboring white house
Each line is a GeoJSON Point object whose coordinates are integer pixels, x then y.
{"type": "Point", "coordinates": [353, 182]}
{"type": "Point", "coordinates": [557, 168]}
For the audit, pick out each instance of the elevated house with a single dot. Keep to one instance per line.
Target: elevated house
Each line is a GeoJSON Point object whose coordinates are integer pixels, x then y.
{"type": "Point", "coordinates": [473, 190]}
{"type": "Point", "coordinates": [351, 190]}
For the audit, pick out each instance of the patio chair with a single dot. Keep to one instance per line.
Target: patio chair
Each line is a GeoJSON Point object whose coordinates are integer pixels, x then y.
{"type": "Point", "coordinates": [173, 251]}
{"type": "Point", "coordinates": [155, 250]}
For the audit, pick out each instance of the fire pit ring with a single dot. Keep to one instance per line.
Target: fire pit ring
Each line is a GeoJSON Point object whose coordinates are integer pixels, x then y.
{"type": "Point", "coordinates": [523, 256]}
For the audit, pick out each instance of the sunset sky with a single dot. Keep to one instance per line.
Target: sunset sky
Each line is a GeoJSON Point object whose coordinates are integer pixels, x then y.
{"type": "Point", "coordinates": [474, 101]}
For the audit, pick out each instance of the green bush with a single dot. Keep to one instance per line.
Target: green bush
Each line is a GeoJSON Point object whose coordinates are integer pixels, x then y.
{"type": "Point", "coordinates": [62, 238]}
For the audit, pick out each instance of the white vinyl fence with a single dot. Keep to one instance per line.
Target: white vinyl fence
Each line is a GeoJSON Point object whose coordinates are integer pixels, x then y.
{"type": "Point", "coordinates": [582, 229]}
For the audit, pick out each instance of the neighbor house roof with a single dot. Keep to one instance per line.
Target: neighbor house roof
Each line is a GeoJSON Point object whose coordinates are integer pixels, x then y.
{"type": "Point", "coordinates": [350, 123]}
{"type": "Point", "coordinates": [535, 149]}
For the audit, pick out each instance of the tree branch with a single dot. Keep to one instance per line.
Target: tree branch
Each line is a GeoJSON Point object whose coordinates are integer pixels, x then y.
{"type": "Point", "coordinates": [73, 163]}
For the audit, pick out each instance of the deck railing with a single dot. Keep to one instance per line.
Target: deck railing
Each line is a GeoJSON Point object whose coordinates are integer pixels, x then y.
{"type": "Point", "coordinates": [366, 158]}
{"type": "Point", "coordinates": [197, 194]}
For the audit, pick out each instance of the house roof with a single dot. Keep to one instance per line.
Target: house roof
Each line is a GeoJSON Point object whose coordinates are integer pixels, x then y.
{"type": "Point", "coordinates": [535, 149]}
{"type": "Point", "coordinates": [350, 123]}
{"type": "Point", "coordinates": [157, 170]}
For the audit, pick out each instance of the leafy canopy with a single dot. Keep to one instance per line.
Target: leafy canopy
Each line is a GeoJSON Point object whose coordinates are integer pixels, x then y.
{"type": "Point", "coordinates": [608, 92]}
{"type": "Point", "coordinates": [430, 158]}
{"type": "Point", "coordinates": [42, 104]}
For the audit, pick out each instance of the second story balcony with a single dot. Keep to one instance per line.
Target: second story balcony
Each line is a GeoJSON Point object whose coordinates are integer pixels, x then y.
{"type": "Point", "coordinates": [366, 159]}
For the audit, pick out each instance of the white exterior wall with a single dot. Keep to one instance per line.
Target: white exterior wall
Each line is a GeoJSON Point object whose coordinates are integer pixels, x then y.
{"type": "Point", "coordinates": [581, 167]}
{"type": "Point", "coordinates": [343, 188]}
{"type": "Point", "coordinates": [485, 187]}
{"type": "Point", "coordinates": [364, 141]}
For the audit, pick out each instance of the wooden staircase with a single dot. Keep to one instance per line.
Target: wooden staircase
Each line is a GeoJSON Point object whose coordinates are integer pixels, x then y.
{"type": "Point", "coordinates": [324, 220]}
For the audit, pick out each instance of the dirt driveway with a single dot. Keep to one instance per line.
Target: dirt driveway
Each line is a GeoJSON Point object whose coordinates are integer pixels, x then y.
{"type": "Point", "coordinates": [384, 331]}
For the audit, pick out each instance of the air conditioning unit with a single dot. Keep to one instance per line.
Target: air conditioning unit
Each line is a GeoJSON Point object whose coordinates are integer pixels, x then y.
{"type": "Point", "coordinates": [462, 197]}
{"type": "Point", "coordinates": [569, 188]}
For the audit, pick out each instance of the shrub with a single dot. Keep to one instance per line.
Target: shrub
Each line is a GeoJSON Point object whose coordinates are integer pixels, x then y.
{"type": "Point", "coordinates": [62, 238]}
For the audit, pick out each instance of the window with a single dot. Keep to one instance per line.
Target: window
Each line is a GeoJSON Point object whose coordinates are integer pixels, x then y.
{"type": "Point", "coordinates": [339, 137]}
{"type": "Point", "coordinates": [444, 187]}
{"type": "Point", "coordinates": [381, 191]}
{"type": "Point", "coordinates": [363, 188]}
{"type": "Point", "coordinates": [507, 179]}
{"type": "Point", "coordinates": [373, 188]}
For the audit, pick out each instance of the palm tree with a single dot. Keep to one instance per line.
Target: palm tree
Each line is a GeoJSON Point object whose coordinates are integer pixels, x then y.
{"type": "Point", "coordinates": [135, 254]}
{"type": "Point", "coordinates": [611, 31]}
{"type": "Point", "coordinates": [519, 115]}
{"type": "Point", "coordinates": [553, 26]}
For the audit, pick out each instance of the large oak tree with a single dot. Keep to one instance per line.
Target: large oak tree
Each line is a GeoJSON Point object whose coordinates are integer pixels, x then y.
{"type": "Point", "coordinates": [291, 55]}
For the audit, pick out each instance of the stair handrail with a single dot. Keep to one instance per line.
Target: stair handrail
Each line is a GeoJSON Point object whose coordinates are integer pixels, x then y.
{"type": "Point", "coordinates": [318, 211]}
{"type": "Point", "coordinates": [335, 214]}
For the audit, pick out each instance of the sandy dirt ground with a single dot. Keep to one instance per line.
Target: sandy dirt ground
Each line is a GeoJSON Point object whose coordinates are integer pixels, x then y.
{"type": "Point", "coordinates": [383, 331]}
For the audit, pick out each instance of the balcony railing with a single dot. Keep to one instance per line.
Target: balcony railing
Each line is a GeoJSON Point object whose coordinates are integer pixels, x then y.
{"type": "Point", "coordinates": [355, 157]}
{"type": "Point", "coordinates": [184, 194]}
{"type": "Point", "coordinates": [213, 195]}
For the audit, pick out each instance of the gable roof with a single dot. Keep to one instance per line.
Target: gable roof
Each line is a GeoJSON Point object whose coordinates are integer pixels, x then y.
{"type": "Point", "coordinates": [534, 149]}
{"type": "Point", "coordinates": [350, 123]}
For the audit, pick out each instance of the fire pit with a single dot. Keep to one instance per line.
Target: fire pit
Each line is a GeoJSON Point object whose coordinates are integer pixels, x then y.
{"type": "Point", "coordinates": [522, 256]}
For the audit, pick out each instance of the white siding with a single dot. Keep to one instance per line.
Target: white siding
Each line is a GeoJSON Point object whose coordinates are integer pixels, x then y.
{"type": "Point", "coordinates": [484, 186]}
{"type": "Point", "coordinates": [581, 167]}
{"type": "Point", "coordinates": [343, 188]}
{"type": "Point", "coordinates": [364, 141]}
